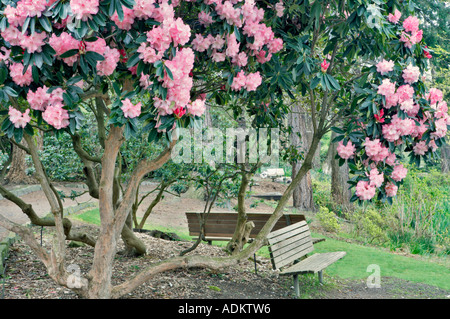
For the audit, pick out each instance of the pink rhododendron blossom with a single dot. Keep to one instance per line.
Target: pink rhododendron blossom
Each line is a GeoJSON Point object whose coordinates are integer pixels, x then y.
{"type": "Point", "coordinates": [324, 66]}
{"type": "Point", "coordinates": [179, 112]}
{"type": "Point", "coordinates": [381, 155]}
{"type": "Point", "coordinates": [346, 151]}
{"type": "Point", "coordinates": [178, 31]}
{"type": "Point", "coordinates": [17, 75]}
{"type": "Point", "coordinates": [411, 24]}
{"type": "Point", "coordinates": [84, 9]}
{"type": "Point", "coordinates": [364, 190]}
{"type": "Point", "coordinates": [39, 99]}
{"type": "Point", "coordinates": [127, 21]}
{"type": "Point", "coordinates": [391, 189]}
{"type": "Point", "coordinates": [200, 43]}
{"type": "Point", "coordinates": [19, 119]}
{"type": "Point", "coordinates": [197, 107]}
{"type": "Point", "coordinates": [275, 45]}
{"type": "Point", "coordinates": [386, 88]}
{"type": "Point", "coordinates": [391, 100]}
{"type": "Point", "coordinates": [239, 81]}
{"type": "Point", "coordinates": [205, 18]}
{"type": "Point", "coordinates": [411, 74]}
{"type": "Point", "coordinates": [109, 64]}
{"type": "Point", "coordinates": [56, 116]}
{"type": "Point", "coordinates": [252, 81]}
{"type": "Point", "coordinates": [159, 39]}
{"type": "Point", "coordinates": [434, 96]}
{"type": "Point", "coordinates": [410, 39]}
{"type": "Point", "coordinates": [390, 159]}
{"type": "Point", "coordinates": [64, 43]}
{"type": "Point", "coordinates": [164, 107]}
{"type": "Point", "coordinates": [405, 92]}
{"type": "Point", "coordinates": [384, 66]}
{"type": "Point", "coordinates": [395, 18]}
{"type": "Point", "coordinates": [232, 45]}
{"type": "Point", "coordinates": [148, 54]}
{"type": "Point", "coordinates": [130, 110]}
{"type": "Point", "coordinates": [12, 35]}
{"type": "Point", "coordinates": [33, 42]}
{"type": "Point", "coordinates": [441, 110]}
{"type": "Point", "coordinates": [376, 178]}
{"type": "Point", "coordinates": [4, 54]}
{"type": "Point", "coordinates": [263, 57]}
{"type": "Point", "coordinates": [420, 148]}
{"type": "Point", "coordinates": [218, 56]}
{"type": "Point", "coordinates": [407, 105]}
{"type": "Point", "coordinates": [143, 9]}
{"type": "Point", "coordinates": [372, 147]}
{"type": "Point", "coordinates": [399, 173]}
{"type": "Point", "coordinates": [441, 128]}
{"type": "Point", "coordinates": [241, 59]}
{"type": "Point", "coordinates": [279, 8]}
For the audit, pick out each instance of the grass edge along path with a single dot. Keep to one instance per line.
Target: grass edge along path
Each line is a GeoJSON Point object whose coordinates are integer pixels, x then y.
{"type": "Point", "coordinates": [353, 266]}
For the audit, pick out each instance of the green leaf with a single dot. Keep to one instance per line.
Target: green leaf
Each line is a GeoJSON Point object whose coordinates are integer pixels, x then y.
{"type": "Point", "coordinates": [69, 53]}
{"type": "Point", "coordinates": [314, 83]}
{"type": "Point", "coordinates": [333, 82]}
{"type": "Point", "coordinates": [45, 23]}
{"type": "Point", "coordinates": [169, 73]}
{"type": "Point", "coordinates": [133, 60]}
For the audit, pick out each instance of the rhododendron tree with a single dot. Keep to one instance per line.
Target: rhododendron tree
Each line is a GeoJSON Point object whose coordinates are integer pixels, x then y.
{"type": "Point", "coordinates": [136, 65]}
{"type": "Point", "coordinates": [154, 64]}
{"type": "Point", "coordinates": [415, 118]}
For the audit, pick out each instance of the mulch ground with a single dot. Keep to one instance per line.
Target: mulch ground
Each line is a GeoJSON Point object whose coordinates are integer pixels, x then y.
{"type": "Point", "coordinates": [26, 277]}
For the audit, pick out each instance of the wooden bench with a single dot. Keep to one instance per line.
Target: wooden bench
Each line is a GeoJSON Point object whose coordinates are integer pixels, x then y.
{"type": "Point", "coordinates": [220, 226]}
{"type": "Point", "coordinates": [291, 243]}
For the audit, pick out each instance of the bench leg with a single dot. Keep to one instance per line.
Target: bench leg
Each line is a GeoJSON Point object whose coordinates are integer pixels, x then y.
{"type": "Point", "coordinates": [321, 277]}
{"type": "Point", "coordinates": [296, 286]}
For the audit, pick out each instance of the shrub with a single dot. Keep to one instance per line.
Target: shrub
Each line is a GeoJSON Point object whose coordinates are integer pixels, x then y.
{"type": "Point", "coordinates": [370, 225]}
{"type": "Point", "coordinates": [328, 220]}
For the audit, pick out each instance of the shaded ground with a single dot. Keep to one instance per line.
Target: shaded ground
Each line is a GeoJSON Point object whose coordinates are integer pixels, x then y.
{"type": "Point", "coordinates": [27, 278]}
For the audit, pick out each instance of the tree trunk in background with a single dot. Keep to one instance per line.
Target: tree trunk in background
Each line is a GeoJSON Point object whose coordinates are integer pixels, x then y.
{"type": "Point", "coordinates": [445, 158]}
{"type": "Point", "coordinates": [17, 170]}
{"type": "Point", "coordinates": [339, 176]}
{"type": "Point", "coordinates": [302, 194]}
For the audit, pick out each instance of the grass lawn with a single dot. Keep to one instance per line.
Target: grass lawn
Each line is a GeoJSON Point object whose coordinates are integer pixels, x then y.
{"type": "Point", "coordinates": [353, 265]}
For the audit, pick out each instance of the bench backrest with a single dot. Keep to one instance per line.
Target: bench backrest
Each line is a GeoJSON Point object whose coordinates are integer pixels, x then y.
{"type": "Point", "coordinates": [289, 244]}
{"type": "Point", "coordinates": [223, 224]}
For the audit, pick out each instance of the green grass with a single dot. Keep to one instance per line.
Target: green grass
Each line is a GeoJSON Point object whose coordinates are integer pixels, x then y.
{"type": "Point", "coordinates": [353, 265]}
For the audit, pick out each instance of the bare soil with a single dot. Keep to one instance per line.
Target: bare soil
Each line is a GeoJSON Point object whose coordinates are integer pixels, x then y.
{"type": "Point", "coordinates": [26, 278]}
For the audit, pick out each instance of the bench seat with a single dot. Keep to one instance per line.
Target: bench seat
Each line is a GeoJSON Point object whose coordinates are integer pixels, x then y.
{"type": "Point", "coordinates": [289, 248]}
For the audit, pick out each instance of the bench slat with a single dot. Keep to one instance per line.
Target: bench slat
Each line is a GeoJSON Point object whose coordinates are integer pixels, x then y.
{"type": "Point", "coordinates": [314, 263]}
{"type": "Point", "coordinates": [286, 229]}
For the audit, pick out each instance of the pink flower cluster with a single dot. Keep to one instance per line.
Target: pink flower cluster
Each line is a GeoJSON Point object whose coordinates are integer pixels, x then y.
{"type": "Point", "coordinates": [19, 119]}
{"type": "Point", "coordinates": [17, 75]}
{"type": "Point", "coordinates": [250, 81]}
{"type": "Point", "coordinates": [375, 150]}
{"type": "Point", "coordinates": [51, 104]}
{"type": "Point", "coordinates": [411, 74]}
{"type": "Point", "coordinates": [384, 66]}
{"type": "Point", "coordinates": [179, 87]}
{"type": "Point", "coordinates": [395, 18]}
{"type": "Point", "coordinates": [84, 9]}
{"type": "Point", "coordinates": [24, 8]}
{"type": "Point", "coordinates": [63, 43]}
{"type": "Point", "coordinates": [32, 43]}
{"type": "Point", "coordinates": [160, 38]}
{"type": "Point", "coordinates": [412, 35]}
{"type": "Point", "coordinates": [130, 110]}
{"type": "Point", "coordinates": [346, 151]}
{"type": "Point", "coordinates": [365, 191]}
